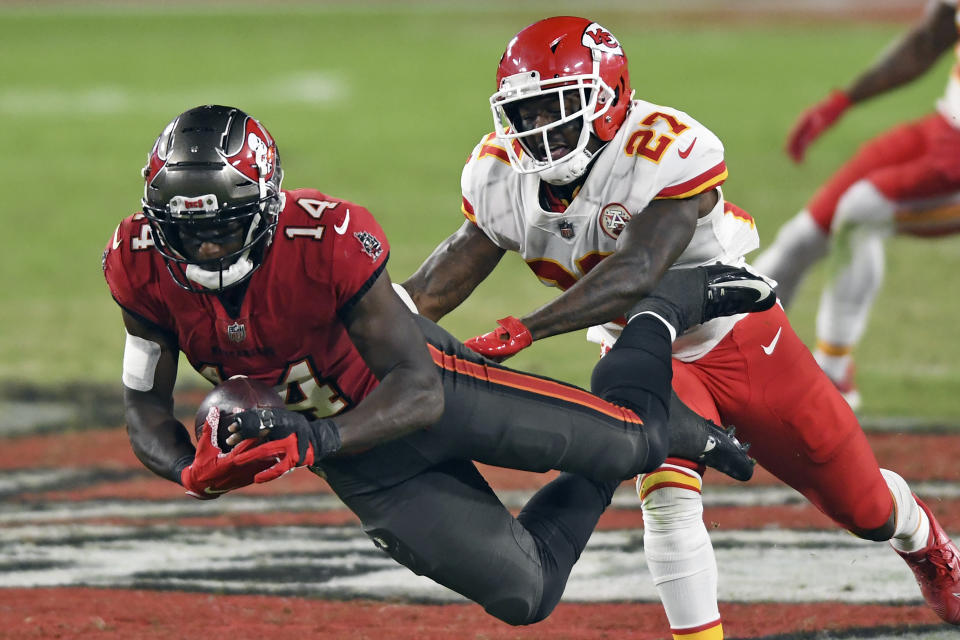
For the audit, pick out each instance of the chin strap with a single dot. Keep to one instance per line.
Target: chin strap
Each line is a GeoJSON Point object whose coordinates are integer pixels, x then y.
{"type": "Point", "coordinates": [570, 169]}
{"type": "Point", "coordinates": [219, 279]}
{"type": "Point", "coordinates": [237, 271]}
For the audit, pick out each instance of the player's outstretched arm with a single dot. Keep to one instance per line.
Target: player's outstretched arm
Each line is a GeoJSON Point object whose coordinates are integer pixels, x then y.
{"type": "Point", "coordinates": [919, 48]}
{"type": "Point", "coordinates": [648, 245]}
{"type": "Point", "coordinates": [452, 271]}
{"type": "Point", "coordinates": [906, 60]}
{"type": "Point", "coordinates": [409, 396]}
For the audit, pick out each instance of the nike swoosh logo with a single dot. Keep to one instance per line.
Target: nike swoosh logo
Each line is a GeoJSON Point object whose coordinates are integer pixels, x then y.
{"type": "Point", "coordinates": [214, 491]}
{"type": "Point", "coordinates": [342, 227]}
{"type": "Point", "coordinates": [768, 349]}
{"type": "Point", "coordinates": [684, 154]}
{"type": "Point", "coordinates": [763, 290]}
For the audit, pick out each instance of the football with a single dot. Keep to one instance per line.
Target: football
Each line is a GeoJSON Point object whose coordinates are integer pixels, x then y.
{"type": "Point", "coordinates": [233, 396]}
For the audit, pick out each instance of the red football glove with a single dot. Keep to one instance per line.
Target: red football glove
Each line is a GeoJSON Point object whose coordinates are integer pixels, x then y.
{"type": "Point", "coordinates": [213, 472]}
{"type": "Point", "coordinates": [815, 121]}
{"type": "Point", "coordinates": [503, 342]}
{"type": "Point", "coordinates": [293, 440]}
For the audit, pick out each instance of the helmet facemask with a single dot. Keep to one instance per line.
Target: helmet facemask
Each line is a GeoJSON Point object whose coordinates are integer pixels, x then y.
{"type": "Point", "coordinates": [244, 231]}
{"type": "Point", "coordinates": [567, 105]}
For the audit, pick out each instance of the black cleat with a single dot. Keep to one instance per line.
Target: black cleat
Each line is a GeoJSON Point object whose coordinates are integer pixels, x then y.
{"type": "Point", "coordinates": [688, 297]}
{"type": "Point", "coordinates": [726, 454]}
{"type": "Point", "coordinates": [730, 291]}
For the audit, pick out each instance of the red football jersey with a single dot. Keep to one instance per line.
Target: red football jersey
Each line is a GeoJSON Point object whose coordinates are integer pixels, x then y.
{"type": "Point", "coordinates": [324, 255]}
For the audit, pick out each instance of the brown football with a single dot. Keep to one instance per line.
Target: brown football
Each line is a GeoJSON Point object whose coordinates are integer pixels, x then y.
{"type": "Point", "coordinates": [233, 396]}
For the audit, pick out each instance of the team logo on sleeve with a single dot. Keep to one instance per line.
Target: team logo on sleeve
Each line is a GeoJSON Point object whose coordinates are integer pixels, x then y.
{"type": "Point", "coordinates": [613, 218]}
{"type": "Point", "coordinates": [371, 246]}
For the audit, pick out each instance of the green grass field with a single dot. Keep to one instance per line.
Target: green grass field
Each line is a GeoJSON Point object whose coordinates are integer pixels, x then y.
{"type": "Point", "coordinates": [381, 105]}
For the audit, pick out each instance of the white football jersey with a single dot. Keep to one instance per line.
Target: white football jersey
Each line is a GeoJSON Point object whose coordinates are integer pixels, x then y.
{"type": "Point", "coordinates": [658, 153]}
{"type": "Point", "coordinates": [949, 104]}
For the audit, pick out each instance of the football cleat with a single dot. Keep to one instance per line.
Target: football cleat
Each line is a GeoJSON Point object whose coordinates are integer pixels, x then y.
{"type": "Point", "coordinates": [848, 389]}
{"type": "Point", "coordinates": [725, 453]}
{"type": "Point", "coordinates": [730, 291]}
{"type": "Point", "coordinates": [688, 297]}
{"type": "Point", "coordinates": [937, 570]}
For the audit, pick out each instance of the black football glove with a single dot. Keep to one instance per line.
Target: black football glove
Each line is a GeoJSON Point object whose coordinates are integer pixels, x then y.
{"type": "Point", "coordinates": [302, 442]}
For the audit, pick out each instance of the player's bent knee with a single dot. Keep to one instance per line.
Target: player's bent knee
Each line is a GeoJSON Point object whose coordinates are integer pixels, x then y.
{"type": "Point", "coordinates": [862, 205]}
{"type": "Point", "coordinates": [658, 444]}
{"type": "Point", "coordinates": [514, 611]}
{"type": "Point", "coordinates": [634, 379]}
{"type": "Point", "coordinates": [880, 534]}
{"type": "Point", "coordinates": [514, 601]}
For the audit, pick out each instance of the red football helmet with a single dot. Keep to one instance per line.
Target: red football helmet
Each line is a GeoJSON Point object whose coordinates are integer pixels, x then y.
{"type": "Point", "coordinates": [575, 73]}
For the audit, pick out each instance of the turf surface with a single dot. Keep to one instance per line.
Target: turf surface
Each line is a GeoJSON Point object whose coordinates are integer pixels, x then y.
{"type": "Point", "coordinates": [381, 104]}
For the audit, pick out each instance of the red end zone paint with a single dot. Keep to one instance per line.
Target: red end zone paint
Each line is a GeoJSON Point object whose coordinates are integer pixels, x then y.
{"type": "Point", "coordinates": [146, 615]}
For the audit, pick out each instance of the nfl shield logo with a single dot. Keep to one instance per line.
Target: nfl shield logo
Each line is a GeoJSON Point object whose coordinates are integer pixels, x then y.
{"type": "Point", "coordinates": [237, 332]}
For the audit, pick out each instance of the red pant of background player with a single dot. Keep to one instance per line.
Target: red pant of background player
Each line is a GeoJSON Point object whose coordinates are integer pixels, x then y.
{"type": "Point", "coordinates": [904, 181]}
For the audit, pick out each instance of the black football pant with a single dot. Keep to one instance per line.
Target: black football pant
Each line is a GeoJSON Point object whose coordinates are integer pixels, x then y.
{"type": "Point", "coordinates": [422, 500]}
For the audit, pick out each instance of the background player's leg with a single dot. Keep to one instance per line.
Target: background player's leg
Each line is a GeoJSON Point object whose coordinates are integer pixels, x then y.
{"type": "Point", "coordinates": [805, 238]}
{"type": "Point", "coordinates": [799, 244]}
{"type": "Point", "coordinates": [447, 524]}
{"type": "Point", "coordinates": [863, 222]}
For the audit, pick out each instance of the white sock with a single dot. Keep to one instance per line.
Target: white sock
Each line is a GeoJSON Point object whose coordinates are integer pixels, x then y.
{"type": "Point", "coordinates": [834, 366]}
{"type": "Point", "coordinates": [677, 546]}
{"type": "Point", "coordinates": [863, 222]}
{"type": "Point", "coordinates": [912, 525]}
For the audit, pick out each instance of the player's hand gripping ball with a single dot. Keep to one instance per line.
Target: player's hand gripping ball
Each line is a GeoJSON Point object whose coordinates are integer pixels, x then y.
{"type": "Point", "coordinates": [237, 394]}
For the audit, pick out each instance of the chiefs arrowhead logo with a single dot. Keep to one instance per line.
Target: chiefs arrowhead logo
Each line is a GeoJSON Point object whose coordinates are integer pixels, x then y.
{"type": "Point", "coordinates": [600, 39]}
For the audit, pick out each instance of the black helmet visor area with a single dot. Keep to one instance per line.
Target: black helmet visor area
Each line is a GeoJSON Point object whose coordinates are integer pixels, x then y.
{"type": "Point", "coordinates": [228, 230]}
{"type": "Point", "coordinates": [178, 237]}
